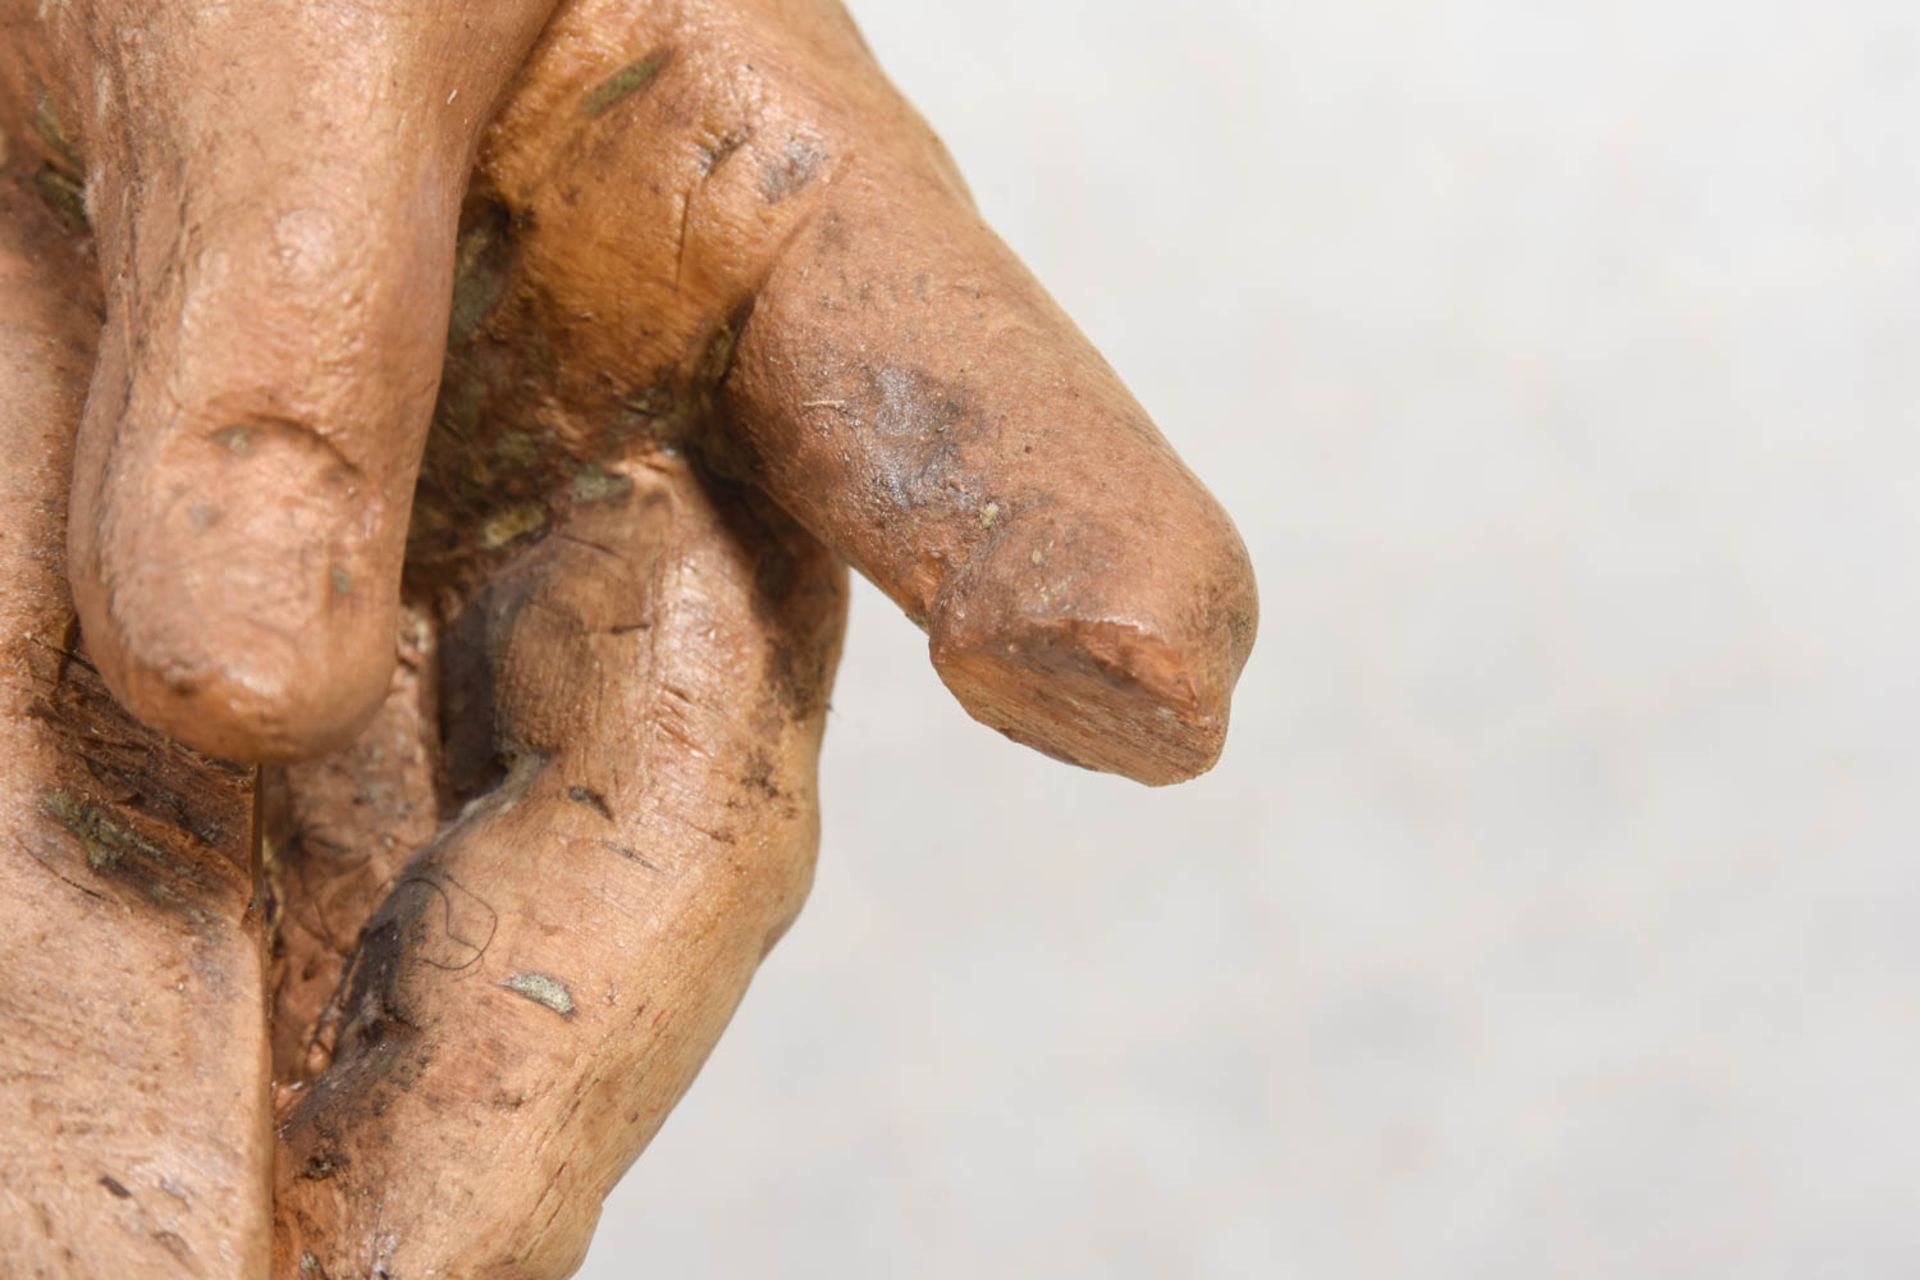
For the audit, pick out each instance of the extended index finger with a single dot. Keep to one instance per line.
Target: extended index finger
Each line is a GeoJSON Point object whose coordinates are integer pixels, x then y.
{"type": "Point", "coordinates": [722, 204]}
{"type": "Point", "coordinates": [913, 395]}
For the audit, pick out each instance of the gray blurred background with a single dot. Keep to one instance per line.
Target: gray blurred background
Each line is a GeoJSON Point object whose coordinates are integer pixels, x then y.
{"type": "Point", "coordinates": [1553, 912]}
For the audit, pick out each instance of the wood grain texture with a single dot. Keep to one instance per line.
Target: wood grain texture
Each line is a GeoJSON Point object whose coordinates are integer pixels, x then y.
{"type": "Point", "coordinates": [134, 1131]}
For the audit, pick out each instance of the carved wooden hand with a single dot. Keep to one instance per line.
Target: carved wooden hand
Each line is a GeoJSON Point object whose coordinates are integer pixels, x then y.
{"type": "Point", "coordinates": [465, 412]}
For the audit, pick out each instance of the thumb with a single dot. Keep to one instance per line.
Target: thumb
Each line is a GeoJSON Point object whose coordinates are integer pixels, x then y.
{"type": "Point", "coordinates": [275, 189]}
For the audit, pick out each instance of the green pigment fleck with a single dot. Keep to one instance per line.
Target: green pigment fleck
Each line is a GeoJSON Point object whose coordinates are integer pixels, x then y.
{"type": "Point", "coordinates": [65, 197]}
{"type": "Point", "coordinates": [517, 449]}
{"type": "Point", "coordinates": [46, 123]}
{"type": "Point", "coordinates": [716, 362]}
{"type": "Point", "coordinates": [237, 441]}
{"type": "Point", "coordinates": [514, 522]}
{"type": "Point", "coordinates": [107, 842]}
{"type": "Point", "coordinates": [623, 84]}
{"type": "Point", "coordinates": [596, 484]}
{"type": "Point", "coordinates": [479, 275]}
{"type": "Point", "coordinates": [542, 989]}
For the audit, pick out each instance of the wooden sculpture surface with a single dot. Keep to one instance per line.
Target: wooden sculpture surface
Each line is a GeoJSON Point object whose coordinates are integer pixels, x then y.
{"type": "Point", "coordinates": [460, 416]}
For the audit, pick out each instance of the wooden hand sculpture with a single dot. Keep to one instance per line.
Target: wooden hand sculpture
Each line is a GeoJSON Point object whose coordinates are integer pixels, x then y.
{"type": "Point", "coordinates": [464, 412]}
